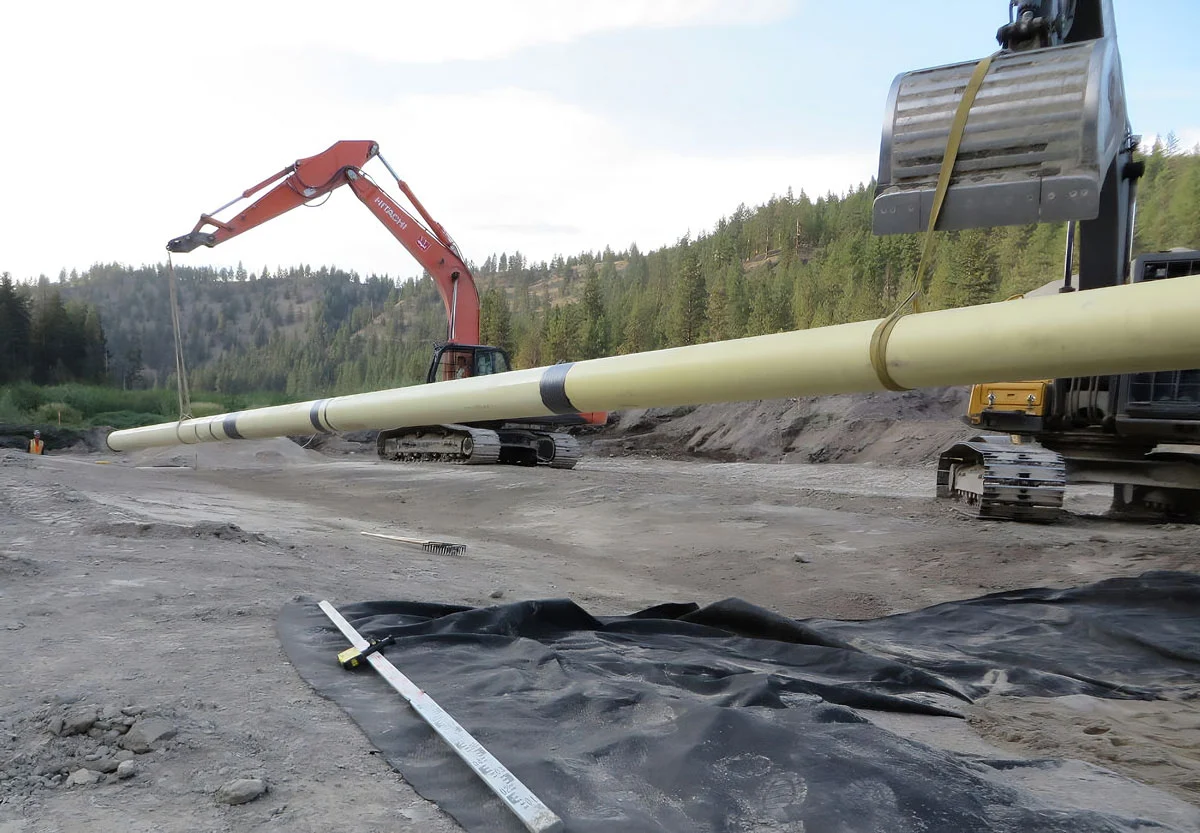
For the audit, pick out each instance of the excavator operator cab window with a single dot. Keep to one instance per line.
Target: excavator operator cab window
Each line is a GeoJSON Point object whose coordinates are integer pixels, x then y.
{"type": "Point", "coordinates": [462, 366]}
{"type": "Point", "coordinates": [488, 362]}
{"type": "Point", "coordinates": [452, 364]}
{"type": "Point", "coordinates": [464, 362]}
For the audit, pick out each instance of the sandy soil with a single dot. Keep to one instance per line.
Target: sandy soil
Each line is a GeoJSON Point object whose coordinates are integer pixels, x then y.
{"type": "Point", "coordinates": [133, 592]}
{"type": "Point", "coordinates": [908, 428]}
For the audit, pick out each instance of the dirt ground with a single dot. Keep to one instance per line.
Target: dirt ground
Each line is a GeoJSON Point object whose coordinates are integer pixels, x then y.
{"type": "Point", "coordinates": [138, 599]}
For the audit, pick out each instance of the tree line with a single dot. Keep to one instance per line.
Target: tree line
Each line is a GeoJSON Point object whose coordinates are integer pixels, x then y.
{"type": "Point", "coordinates": [47, 341]}
{"type": "Point", "coordinates": [794, 262]}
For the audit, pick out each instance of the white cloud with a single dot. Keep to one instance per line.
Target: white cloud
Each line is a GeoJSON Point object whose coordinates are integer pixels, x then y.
{"type": "Point", "coordinates": [580, 185]}
{"type": "Point", "coordinates": [129, 120]}
{"type": "Point", "coordinates": [398, 31]}
{"type": "Point", "coordinates": [587, 176]}
{"type": "Point", "coordinates": [1187, 139]}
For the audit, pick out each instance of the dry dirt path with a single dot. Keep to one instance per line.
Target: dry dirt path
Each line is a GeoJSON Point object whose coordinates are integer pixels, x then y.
{"type": "Point", "coordinates": [124, 587]}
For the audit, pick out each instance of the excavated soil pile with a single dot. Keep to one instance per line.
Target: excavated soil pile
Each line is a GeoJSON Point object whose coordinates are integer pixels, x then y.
{"type": "Point", "coordinates": [899, 428]}
{"type": "Point", "coordinates": [270, 453]}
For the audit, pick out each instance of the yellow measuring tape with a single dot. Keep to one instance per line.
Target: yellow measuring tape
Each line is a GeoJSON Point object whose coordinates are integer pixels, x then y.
{"type": "Point", "coordinates": [883, 332]}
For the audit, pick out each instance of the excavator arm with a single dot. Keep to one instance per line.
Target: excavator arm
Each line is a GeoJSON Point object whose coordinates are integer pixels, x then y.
{"type": "Point", "coordinates": [313, 177]}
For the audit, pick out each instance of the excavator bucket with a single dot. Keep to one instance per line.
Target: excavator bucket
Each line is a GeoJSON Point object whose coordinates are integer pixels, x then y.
{"type": "Point", "coordinates": [1039, 140]}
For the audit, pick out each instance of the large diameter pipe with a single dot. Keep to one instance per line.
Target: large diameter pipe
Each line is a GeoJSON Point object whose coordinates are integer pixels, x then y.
{"type": "Point", "coordinates": [1124, 329]}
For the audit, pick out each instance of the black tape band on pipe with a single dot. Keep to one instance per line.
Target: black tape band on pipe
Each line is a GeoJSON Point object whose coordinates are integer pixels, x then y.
{"type": "Point", "coordinates": [229, 426]}
{"type": "Point", "coordinates": [553, 389]}
{"type": "Point", "coordinates": [314, 416]}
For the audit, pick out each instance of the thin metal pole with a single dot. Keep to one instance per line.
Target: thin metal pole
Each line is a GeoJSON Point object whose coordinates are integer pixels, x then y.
{"type": "Point", "coordinates": [1068, 258]}
{"type": "Point", "coordinates": [536, 816]}
{"type": "Point", "coordinates": [185, 398]}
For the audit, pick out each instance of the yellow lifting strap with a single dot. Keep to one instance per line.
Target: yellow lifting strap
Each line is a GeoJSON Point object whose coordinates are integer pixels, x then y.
{"type": "Point", "coordinates": [879, 338]}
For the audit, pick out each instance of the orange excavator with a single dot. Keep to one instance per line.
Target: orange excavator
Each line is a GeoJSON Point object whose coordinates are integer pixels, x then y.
{"type": "Point", "coordinates": [540, 441]}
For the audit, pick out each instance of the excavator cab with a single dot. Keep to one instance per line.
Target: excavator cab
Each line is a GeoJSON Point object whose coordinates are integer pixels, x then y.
{"type": "Point", "coordinates": [459, 361]}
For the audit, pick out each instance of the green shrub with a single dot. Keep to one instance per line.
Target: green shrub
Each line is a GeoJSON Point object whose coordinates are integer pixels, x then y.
{"type": "Point", "coordinates": [124, 419]}
{"type": "Point", "coordinates": [94, 399]}
{"type": "Point", "coordinates": [57, 413]}
{"type": "Point", "coordinates": [203, 409]}
{"type": "Point", "coordinates": [96, 405]}
{"type": "Point", "coordinates": [9, 412]}
{"type": "Point", "coordinates": [24, 396]}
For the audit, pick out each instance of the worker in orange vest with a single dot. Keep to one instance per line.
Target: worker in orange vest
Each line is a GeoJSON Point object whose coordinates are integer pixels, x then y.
{"type": "Point", "coordinates": [36, 446]}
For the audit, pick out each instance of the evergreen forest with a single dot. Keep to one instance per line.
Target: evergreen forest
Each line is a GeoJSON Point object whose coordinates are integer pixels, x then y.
{"type": "Point", "coordinates": [302, 332]}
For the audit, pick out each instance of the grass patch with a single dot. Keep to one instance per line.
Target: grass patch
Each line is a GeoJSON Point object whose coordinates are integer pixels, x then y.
{"type": "Point", "coordinates": [124, 419]}
{"type": "Point", "coordinates": [84, 406]}
{"type": "Point", "coordinates": [57, 413]}
{"type": "Point", "coordinates": [203, 409]}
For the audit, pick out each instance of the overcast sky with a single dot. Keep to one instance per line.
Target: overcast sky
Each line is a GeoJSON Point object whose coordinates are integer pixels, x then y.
{"type": "Point", "coordinates": [545, 126]}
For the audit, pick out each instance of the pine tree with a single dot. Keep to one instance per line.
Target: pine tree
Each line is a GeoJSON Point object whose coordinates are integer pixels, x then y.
{"type": "Point", "coordinates": [689, 300]}
{"type": "Point", "coordinates": [51, 338]}
{"type": "Point", "coordinates": [719, 325]}
{"type": "Point", "coordinates": [495, 320]}
{"type": "Point", "coordinates": [594, 329]}
{"type": "Point", "coordinates": [14, 332]}
{"type": "Point", "coordinates": [972, 274]}
{"type": "Point", "coordinates": [738, 304]}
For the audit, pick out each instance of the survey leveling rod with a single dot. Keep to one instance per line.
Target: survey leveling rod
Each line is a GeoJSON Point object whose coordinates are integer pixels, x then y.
{"type": "Point", "coordinates": [536, 816]}
{"type": "Point", "coordinates": [1147, 326]}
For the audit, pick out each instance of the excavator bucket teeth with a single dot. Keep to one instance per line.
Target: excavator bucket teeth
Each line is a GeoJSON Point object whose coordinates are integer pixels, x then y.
{"type": "Point", "coordinates": [1038, 143]}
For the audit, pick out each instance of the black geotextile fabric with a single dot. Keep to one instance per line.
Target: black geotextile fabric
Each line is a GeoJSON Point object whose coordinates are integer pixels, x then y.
{"type": "Point", "coordinates": [732, 718]}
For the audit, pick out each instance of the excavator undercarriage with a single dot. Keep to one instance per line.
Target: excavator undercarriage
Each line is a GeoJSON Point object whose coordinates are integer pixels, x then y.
{"type": "Point", "coordinates": [472, 445]}
{"type": "Point", "coordinates": [1003, 480]}
{"type": "Point", "coordinates": [994, 477]}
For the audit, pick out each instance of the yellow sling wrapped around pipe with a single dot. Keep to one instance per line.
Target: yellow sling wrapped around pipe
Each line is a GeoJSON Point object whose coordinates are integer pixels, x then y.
{"type": "Point", "coordinates": [1123, 329]}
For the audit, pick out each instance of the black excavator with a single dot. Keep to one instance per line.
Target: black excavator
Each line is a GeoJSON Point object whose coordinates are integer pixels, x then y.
{"type": "Point", "coordinates": [1047, 140]}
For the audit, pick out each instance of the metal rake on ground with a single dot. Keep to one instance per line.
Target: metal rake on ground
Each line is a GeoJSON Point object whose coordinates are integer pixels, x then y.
{"type": "Point", "coordinates": [439, 547]}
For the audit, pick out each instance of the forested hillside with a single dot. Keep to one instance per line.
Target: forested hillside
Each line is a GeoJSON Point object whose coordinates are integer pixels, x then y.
{"type": "Point", "coordinates": [794, 262]}
{"type": "Point", "coordinates": [46, 341]}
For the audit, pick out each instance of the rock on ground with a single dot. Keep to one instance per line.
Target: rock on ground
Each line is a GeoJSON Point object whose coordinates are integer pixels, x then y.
{"type": "Point", "coordinates": [147, 733]}
{"type": "Point", "coordinates": [241, 790]}
{"type": "Point", "coordinates": [82, 778]}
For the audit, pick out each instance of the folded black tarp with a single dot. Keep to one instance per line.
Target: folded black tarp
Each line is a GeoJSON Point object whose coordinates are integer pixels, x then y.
{"type": "Point", "coordinates": [732, 718]}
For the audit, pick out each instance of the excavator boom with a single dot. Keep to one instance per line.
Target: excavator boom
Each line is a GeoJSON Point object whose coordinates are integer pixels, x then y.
{"type": "Point", "coordinates": [535, 442]}
{"type": "Point", "coordinates": [314, 177]}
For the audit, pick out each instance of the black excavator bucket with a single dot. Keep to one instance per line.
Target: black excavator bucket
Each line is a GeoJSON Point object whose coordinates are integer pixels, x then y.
{"type": "Point", "coordinates": [1039, 141]}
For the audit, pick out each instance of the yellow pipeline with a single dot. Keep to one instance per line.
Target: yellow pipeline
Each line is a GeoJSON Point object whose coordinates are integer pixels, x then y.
{"type": "Point", "coordinates": [1123, 329]}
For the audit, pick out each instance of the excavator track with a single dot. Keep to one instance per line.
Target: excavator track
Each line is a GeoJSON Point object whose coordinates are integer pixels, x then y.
{"type": "Point", "coordinates": [467, 445]}
{"type": "Point", "coordinates": [566, 451]}
{"type": "Point", "coordinates": [1003, 480]}
{"type": "Point", "coordinates": [450, 443]}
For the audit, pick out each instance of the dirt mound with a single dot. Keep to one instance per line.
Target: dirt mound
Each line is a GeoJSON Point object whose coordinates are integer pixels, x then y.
{"type": "Point", "coordinates": [243, 454]}
{"type": "Point", "coordinates": [16, 459]}
{"type": "Point", "coordinates": [50, 504]}
{"type": "Point", "coordinates": [67, 745]}
{"type": "Point", "coordinates": [221, 531]}
{"type": "Point", "coordinates": [16, 565]}
{"type": "Point", "coordinates": [335, 445]}
{"type": "Point", "coordinates": [904, 428]}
